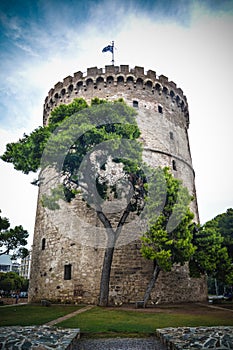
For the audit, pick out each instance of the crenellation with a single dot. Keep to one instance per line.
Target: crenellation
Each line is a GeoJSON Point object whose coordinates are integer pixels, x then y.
{"type": "Point", "coordinates": [58, 86]}
{"type": "Point", "coordinates": [124, 68]}
{"type": "Point", "coordinates": [139, 71]}
{"type": "Point", "coordinates": [92, 71]}
{"type": "Point", "coordinates": [173, 85]}
{"type": "Point", "coordinates": [151, 74]}
{"type": "Point", "coordinates": [78, 75]}
{"type": "Point", "coordinates": [111, 69]}
{"type": "Point", "coordinates": [67, 80]}
{"type": "Point", "coordinates": [163, 79]}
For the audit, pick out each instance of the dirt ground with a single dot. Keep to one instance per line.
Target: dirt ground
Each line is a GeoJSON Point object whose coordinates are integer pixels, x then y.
{"type": "Point", "coordinates": [186, 308]}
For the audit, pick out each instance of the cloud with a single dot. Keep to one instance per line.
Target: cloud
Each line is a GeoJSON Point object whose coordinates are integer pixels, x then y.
{"type": "Point", "coordinates": [191, 43]}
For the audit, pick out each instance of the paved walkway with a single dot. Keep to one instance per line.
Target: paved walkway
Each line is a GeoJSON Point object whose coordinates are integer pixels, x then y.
{"type": "Point", "coordinates": [151, 343]}
{"type": "Point", "coordinates": [66, 317]}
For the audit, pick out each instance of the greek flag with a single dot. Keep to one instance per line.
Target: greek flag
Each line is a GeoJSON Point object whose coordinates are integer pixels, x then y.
{"type": "Point", "coordinates": [108, 48]}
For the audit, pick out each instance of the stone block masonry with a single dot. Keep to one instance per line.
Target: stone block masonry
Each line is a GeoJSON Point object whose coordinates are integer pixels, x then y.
{"type": "Point", "coordinates": [65, 267]}
{"type": "Point", "coordinates": [38, 338]}
{"type": "Point", "coordinates": [204, 338]}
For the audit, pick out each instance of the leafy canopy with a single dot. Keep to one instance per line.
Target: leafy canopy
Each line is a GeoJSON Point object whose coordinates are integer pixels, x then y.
{"type": "Point", "coordinates": [168, 239]}
{"type": "Point", "coordinates": [11, 281]}
{"type": "Point", "coordinates": [110, 121]}
{"type": "Point", "coordinates": [12, 240]}
{"type": "Point", "coordinates": [215, 248]}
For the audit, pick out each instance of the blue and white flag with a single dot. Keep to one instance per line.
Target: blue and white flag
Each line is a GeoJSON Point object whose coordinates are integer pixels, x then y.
{"type": "Point", "coordinates": [108, 48]}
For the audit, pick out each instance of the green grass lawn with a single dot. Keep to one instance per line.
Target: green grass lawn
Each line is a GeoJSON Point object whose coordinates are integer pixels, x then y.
{"type": "Point", "coordinates": [26, 315]}
{"type": "Point", "coordinates": [105, 320]}
{"type": "Point", "coordinates": [118, 321]}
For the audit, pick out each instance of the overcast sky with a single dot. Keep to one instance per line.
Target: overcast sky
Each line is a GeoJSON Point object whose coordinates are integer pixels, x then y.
{"type": "Point", "coordinates": [191, 42]}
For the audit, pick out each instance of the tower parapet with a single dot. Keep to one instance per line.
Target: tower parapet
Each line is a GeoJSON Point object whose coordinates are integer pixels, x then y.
{"type": "Point", "coordinates": [112, 79]}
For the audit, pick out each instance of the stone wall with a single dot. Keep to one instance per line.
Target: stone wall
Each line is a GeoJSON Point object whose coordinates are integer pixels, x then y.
{"type": "Point", "coordinates": [72, 239]}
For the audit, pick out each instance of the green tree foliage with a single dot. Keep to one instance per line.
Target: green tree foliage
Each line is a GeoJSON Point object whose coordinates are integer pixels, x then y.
{"type": "Point", "coordinates": [27, 152]}
{"type": "Point", "coordinates": [12, 240]}
{"type": "Point", "coordinates": [66, 143]}
{"type": "Point", "coordinates": [224, 224]}
{"type": "Point", "coordinates": [11, 281]}
{"type": "Point", "coordinates": [168, 240]}
{"type": "Point", "coordinates": [210, 255]}
{"type": "Point", "coordinates": [215, 240]}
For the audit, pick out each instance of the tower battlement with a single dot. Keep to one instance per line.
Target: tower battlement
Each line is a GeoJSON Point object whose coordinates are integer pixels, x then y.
{"type": "Point", "coordinates": [118, 78]}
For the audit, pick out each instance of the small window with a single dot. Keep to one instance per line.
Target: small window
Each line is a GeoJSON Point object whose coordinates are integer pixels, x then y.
{"type": "Point", "coordinates": [171, 135]}
{"type": "Point", "coordinates": [43, 244]}
{"type": "Point", "coordinates": [135, 104]}
{"type": "Point", "coordinates": [67, 272]}
{"type": "Point", "coordinates": [174, 165]}
{"type": "Point", "coordinates": [160, 109]}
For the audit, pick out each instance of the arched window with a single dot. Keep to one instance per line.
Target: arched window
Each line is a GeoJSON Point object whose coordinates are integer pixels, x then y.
{"type": "Point", "coordinates": [67, 272]}
{"type": "Point", "coordinates": [100, 82]}
{"type": "Point", "coordinates": [149, 84]}
{"type": "Point", "coordinates": [165, 90]}
{"type": "Point", "coordinates": [63, 91]}
{"type": "Point", "coordinates": [130, 82]}
{"type": "Point", "coordinates": [89, 82]}
{"type": "Point", "coordinates": [172, 94]}
{"type": "Point", "coordinates": [158, 87]}
{"type": "Point", "coordinates": [120, 80]}
{"type": "Point", "coordinates": [110, 80]}
{"type": "Point", "coordinates": [70, 88]}
{"type": "Point", "coordinates": [139, 83]}
{"type": "Point", "coordinates": [135, 104]}
{"type": "Point", "coordinates": [43, 244]}
{"type": "Point", "coordinates": [79, 85]}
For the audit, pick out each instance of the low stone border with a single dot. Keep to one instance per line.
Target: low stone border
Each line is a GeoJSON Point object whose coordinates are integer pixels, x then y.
{"type": "Point", "coordinates": [37, 338]}
{"type": "Point", "coordinates": [192, 338]}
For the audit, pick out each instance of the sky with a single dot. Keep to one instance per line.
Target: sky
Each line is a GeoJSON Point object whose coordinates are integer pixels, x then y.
{"type": "Point", "coordinates": [190, 42]}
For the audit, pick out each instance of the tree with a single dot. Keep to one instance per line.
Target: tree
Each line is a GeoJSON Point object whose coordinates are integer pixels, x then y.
{"type": "Point", "coordinates": [210, 257]}
{"type": "Point", "coordinates": [223, 223]}
{"type": "Point", "coordinates": [12, 240]}
{"type": "Point", "coordinates": [11, 281]}
{"type": "Point", "coordinates": [168, 240]}
{"type": "Point", "coordinates": [67, 145]}
{"type": "Point", "coordinates": [215, 240]}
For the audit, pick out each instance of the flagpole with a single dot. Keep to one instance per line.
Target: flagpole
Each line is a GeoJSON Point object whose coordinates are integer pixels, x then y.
{"type": "Point", "coordinates": [113, 53]}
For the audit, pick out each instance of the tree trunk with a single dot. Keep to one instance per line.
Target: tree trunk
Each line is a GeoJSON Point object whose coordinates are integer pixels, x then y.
{"type": "Point", "coordinates": [108, 255]}
{"type": "Point", "coordinates": [151, 285]}
{"type": "Point", "coordinates": [105, 276]}
{"type": "Point", "coordinates": [216, 286]}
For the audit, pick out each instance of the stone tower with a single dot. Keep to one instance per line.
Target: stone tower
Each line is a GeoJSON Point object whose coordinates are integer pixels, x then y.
{"type": "Point", "coordinates": [63, 267]}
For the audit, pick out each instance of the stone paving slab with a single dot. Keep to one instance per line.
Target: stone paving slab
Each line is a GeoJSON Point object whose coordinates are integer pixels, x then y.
{"type": "Point", "coordinates": [37, 338]}
{"type": "Point", "coordinates": [151, 343]}
{"type": "Point", "coordinates": [197, 338]}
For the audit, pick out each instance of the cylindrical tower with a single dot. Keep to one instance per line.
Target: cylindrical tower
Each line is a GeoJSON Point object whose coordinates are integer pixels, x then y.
{"type": "Point", "coordinates": [64, 268]}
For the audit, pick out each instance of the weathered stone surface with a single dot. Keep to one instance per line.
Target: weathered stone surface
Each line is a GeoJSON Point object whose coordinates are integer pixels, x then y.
{"type": "Point", "coordinates": [37, 338]}
{"type": "Point", "coordinates": [191, 338]}
{"type": "Point", "coordinates": [73, 236]}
